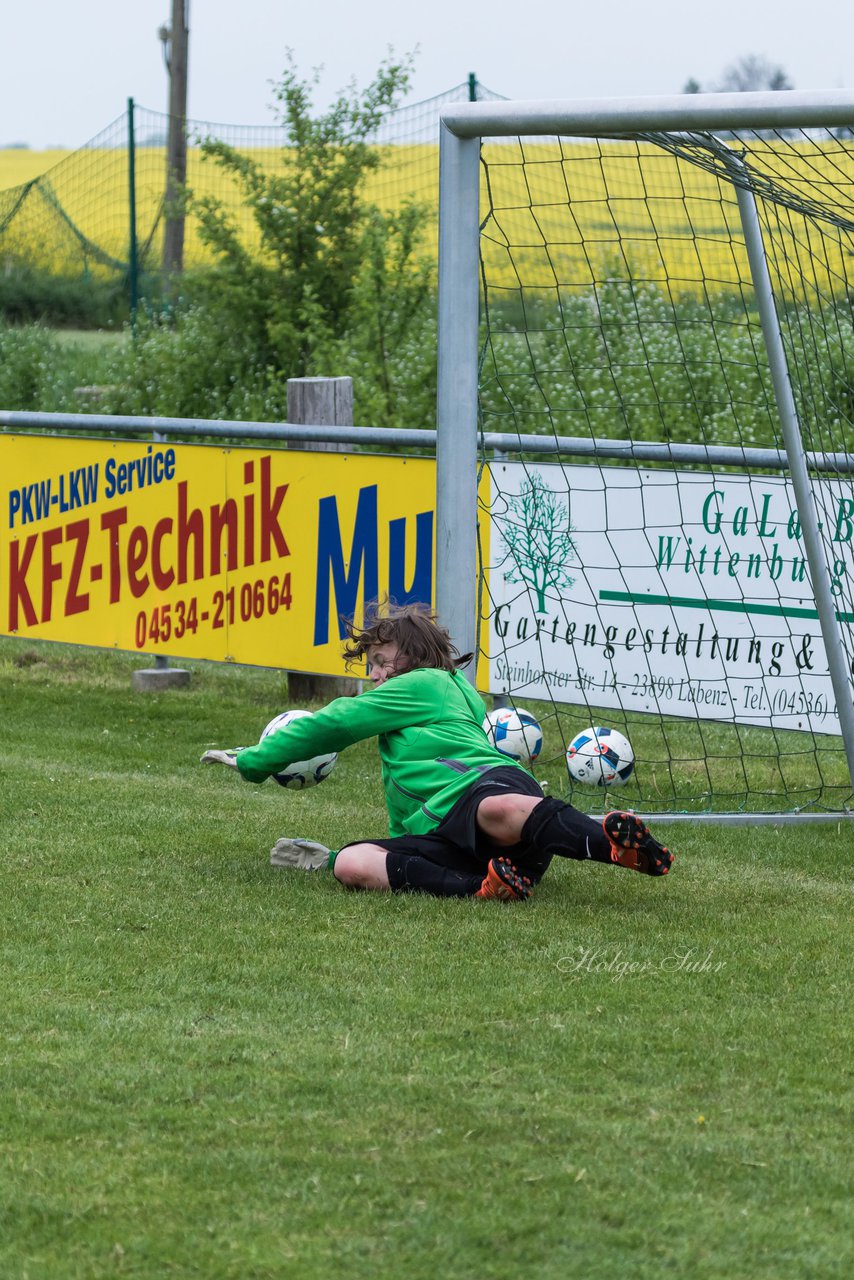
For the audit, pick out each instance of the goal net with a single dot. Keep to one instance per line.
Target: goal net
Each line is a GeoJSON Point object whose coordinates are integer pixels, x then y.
{"type": "Point", "coordinates": [645, 564]}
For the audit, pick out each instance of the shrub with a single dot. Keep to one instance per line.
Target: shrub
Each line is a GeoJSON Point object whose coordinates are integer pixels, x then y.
{"type": "Point", "coordinates": [28, 296]}
{"type": "Point", "coordinates": [38, 372]}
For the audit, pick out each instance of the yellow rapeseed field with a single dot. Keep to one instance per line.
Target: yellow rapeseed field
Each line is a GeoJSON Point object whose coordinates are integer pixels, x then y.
{"type": "Point", "coordinates": [18, 166]}
{"type": "Point", "coordinates": [561, 215]}
{"type": "Point", "coordinates": [557, 214]}
{"type": "Point", "coordinates": [78, 210]}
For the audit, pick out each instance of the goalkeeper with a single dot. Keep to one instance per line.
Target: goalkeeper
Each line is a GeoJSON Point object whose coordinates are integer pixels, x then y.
{"type": "Point", "coordinates": [464, 820]}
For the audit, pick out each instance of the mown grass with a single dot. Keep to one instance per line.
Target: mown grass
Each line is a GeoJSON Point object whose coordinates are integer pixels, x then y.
{"type": "Point", "coordinates": [94, 340]}
{"type": "Point", "coordinates": [213, 1068]}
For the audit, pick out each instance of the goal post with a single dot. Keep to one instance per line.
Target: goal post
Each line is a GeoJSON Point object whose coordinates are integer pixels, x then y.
{"type": "Point", "coordinates": [510, 305]}
{"type": "Point", "coordinates": [456, 444]}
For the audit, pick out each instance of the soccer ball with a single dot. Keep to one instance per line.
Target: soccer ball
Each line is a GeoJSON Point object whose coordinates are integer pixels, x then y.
{"type": "Point", "coordinates": [303, 773]}
{"type": "Point", "coordinates": [514, 733]}
{"type": "Point", "coordinates": [600, 758]}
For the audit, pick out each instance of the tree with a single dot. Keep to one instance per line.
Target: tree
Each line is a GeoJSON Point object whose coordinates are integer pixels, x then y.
{"type": "Point", "coordinates": [753, 73]}
{"type": "Point", "coordinates": [333, 285]}
{"type": "Point", "coordinates": [390, 344]}
{"type": "Point", "coordinates": [303, 288]}
{"type": "Point", "coordinates": [750, 74]}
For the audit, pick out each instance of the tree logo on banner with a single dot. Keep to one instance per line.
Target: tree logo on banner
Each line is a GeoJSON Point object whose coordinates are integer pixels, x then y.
{"type": "Point", "coordinates": [538, 537]}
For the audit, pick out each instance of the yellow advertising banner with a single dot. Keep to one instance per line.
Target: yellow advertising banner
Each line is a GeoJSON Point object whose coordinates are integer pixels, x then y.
{"type": "Point", "coordinates": [195, 551]}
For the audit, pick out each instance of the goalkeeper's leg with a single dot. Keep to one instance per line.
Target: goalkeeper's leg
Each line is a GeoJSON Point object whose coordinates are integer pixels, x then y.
{"type": "Point", "coordinates": [552, 828]}
{"type": "Point", "coordinates": [419, 865]}
{"type": "Point", "coordinates": [438, 866]}
{"type": "Point", "coordinates": [445, 873]}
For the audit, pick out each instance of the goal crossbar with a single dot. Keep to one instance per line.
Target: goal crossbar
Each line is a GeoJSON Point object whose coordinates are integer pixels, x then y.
{"type": "Point", "coordinates": [604, 117]}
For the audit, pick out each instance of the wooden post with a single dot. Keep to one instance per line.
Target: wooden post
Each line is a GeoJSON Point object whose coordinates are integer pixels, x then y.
{"type": "Point", "coordinates": [322, 402]}
{"type": "Point", "coordinates": [176, 152]}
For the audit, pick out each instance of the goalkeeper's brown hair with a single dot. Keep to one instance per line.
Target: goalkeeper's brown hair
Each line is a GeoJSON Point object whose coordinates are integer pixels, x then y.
{"type": "Point", "coordinates": [421, 640]}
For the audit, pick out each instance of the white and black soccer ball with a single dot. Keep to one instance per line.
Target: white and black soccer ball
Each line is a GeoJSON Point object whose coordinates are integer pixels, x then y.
{"type": "Point", "coordinates": [599, 757]}
{"type": "Point", "coordinates": [515, 733]}
{"type": "Point", "coordinates": [303, 773]}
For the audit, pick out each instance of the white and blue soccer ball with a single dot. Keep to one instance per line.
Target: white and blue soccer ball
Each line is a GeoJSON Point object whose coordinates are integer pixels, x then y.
{"type": "Point", "coordinates": [599, 757]}
{"type": "Point", "coordinates": [515, 733]}
{"type": "Point", "coordinates": [303, 773]}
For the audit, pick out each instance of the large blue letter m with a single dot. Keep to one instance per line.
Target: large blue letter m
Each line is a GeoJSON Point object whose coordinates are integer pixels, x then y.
{"type": "Point", "coordinates": [363, 562]}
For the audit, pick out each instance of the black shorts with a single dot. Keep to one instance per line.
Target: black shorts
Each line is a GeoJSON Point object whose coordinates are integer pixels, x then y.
{"type": "Point", "coordinates": [458, 844]}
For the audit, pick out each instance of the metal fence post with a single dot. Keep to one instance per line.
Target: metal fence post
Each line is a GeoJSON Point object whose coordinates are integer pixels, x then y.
{"type": "Point", "coordinates": [133, 258]}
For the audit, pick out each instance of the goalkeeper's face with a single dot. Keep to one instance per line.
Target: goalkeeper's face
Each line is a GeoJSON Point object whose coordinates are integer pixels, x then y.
{"type": "Point", "coordinates": [385, 661]}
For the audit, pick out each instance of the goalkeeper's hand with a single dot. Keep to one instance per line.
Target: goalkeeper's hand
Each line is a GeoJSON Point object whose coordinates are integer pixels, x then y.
{"type": "Point", "coordinates": [221, 757]}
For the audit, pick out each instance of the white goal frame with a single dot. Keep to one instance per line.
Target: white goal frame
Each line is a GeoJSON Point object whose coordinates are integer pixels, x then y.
{"type": "Point", "coordinates": [462, 127]}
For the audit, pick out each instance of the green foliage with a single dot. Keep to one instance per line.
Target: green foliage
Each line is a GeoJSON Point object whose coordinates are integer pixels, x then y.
{"type": "Point", "coordinates": [629, 360]}
{"type": "Point", "coordinates": [183, 368]}
{"type": "Point", "coordinates": [335, 287]}
{"type": "Point", "coordinates": [624, 360]}
{"type": "Point", "coordinates": [37, 371]}
{"type": "Point", "coordinates": [334, 280]}
{"type": "Point", "coordinates": [389, 348]}
{"type": "Point", "coordinates": [29, 295]}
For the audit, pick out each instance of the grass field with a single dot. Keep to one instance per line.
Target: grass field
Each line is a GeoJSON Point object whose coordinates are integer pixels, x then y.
{"type": "Point", "coordinates": [215, 1069]}
{"type": "Point", "coordinates": [90, 340]}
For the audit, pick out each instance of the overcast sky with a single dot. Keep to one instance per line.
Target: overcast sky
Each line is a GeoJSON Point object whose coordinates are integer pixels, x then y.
{"type": "Point", "coordinates": [67, 69]}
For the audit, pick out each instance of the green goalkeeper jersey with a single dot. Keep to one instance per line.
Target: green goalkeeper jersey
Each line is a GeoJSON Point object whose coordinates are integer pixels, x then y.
{"type": "Point", "coordinates": [432, 745]}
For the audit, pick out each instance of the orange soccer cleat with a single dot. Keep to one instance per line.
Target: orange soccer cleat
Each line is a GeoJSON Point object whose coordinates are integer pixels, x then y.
{"type": "Point", "coordinates": [634, 847]}
{"type": "Point", "coordinates": [504, 882]}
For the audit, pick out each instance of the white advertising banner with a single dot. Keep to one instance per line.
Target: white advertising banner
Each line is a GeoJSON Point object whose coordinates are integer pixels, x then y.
{"type": "Point", "coordinates": [682, 593]}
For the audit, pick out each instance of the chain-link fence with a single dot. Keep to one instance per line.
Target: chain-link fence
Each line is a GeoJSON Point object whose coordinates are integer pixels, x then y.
{"type": "Point", "coordinates": [75, 220]}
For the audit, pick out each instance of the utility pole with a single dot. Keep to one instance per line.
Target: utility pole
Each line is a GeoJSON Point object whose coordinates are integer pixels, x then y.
{"type": "Point", "coordinates": [175, 39]}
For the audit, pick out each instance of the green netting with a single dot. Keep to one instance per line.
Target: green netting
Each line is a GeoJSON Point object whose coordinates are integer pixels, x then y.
{"type": "Point", "coordinates": [74, 220]}
{"type": "Point", "coordinates": [663, 600]}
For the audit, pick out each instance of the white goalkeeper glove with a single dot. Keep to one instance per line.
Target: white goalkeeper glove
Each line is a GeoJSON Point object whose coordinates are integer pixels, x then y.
{"type": "Point", "coordinates": [221, 757]}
